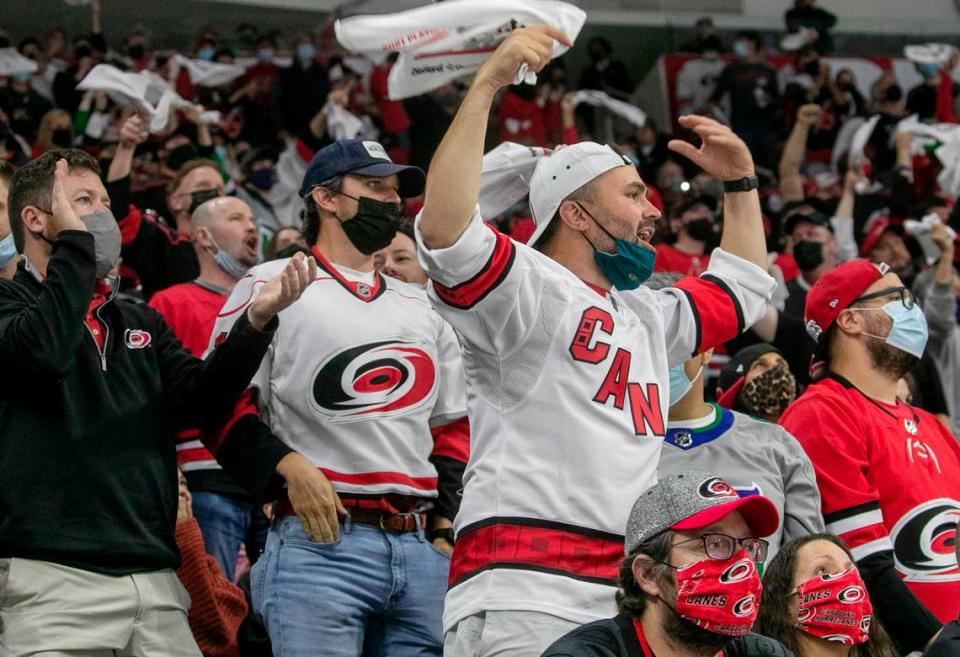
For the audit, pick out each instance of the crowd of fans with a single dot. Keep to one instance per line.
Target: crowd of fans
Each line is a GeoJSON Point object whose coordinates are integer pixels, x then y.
{"type": "Point", "coordinates": [800, 322]}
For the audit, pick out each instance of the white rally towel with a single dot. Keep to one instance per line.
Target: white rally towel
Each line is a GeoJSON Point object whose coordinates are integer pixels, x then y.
{"type": "Point", "coordinates": [631, 113]}
{"type": "Point", "coordinates": [860, 139]}
{"type": "Point", "coordinates": [929, 53]}
{"type": "Point", "coordinates": [505, 176]}
{"type": "Point", "coordinates": [146, 91]}
{"type": "Point", "coordinates": [12, 62]}
{"type": "Point", "coordinates": [210, 74]}
{"type": "Point", "coordinates": [441, 42]}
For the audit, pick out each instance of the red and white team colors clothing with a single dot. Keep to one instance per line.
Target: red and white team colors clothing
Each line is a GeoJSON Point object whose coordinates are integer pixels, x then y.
{"type": "Point", "coordinates": [568, 395]}
{"type": "Point", "coordinates": [364, 379]}
{"type": "Point", "coordinates": [889, 479]}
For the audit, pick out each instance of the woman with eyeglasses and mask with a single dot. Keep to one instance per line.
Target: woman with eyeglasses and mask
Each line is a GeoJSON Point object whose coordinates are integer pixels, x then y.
{"type": "Point", "coordinates": [816, 604]}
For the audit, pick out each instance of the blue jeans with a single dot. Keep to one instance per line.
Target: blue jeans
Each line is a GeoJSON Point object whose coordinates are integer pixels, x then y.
{"type": "Point", "coordinates": [368, 593]}
{"type": "Point", "coordinates": [226, 523]}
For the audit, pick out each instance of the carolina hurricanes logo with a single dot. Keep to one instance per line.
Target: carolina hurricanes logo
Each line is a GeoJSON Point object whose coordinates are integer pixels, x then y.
{"type": "Point", "coordinates": [374, 380]}
{"type": "Point", "coordinates": [839, 638]}
{"type": "Point", "coordinates": [136, 339]}
{"type": "Point", "coordinates": [744, 606]}
{"type": "Point", "coordinates": [805, 614]}
{"type": "Point", "coordinates": [865, 624]}
{"type": "Point", "coordinates": [851, 595]}
{"type": "Point", "coordinates": [738, 572]}
{"type": "Point", "coordinates": [924, 540]}
{"type": "Point", "coordinates": [715, 488]}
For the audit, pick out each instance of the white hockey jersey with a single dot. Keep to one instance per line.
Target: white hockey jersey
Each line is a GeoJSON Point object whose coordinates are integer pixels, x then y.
{"type": "Point", "coordinates": [359, 373]}
{"type": "Point", "coordinates": [567, 392]}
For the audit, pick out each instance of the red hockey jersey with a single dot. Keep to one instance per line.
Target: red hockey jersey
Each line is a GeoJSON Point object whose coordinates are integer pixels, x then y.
{"type": "Point", "coordinates": [889, 479]}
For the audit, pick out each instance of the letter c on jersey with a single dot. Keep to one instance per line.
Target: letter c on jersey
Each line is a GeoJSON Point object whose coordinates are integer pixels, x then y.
{"type": "Point", "coordinates": [593, 318]}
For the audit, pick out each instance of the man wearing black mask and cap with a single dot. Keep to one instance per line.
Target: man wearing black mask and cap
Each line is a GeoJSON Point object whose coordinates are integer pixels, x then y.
{"type": "Point", "coordinates": [811, 240]}
{"type": "Point", "coordinates": [368, 383]}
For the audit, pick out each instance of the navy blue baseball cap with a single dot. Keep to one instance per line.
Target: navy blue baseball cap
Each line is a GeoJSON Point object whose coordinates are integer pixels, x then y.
{"type": "Point", "coordinates": [363, 158]}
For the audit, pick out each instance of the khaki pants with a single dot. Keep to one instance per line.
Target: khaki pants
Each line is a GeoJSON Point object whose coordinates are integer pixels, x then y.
{"type": "Point", "coordinates": [50, 610]}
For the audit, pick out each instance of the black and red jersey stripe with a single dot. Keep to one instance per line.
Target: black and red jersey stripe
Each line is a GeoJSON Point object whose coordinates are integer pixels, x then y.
{"type": "Point", "coordinates": [469, 293]}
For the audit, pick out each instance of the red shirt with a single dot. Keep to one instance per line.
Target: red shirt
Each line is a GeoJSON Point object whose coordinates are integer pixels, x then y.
{"type": "Point", "coordinates": [670, 259]}
{"type": "Point", "coordinates": [522, 121]}
{"type": "Point", "coordinates": [191, 311]}
{"type": "Point", "coordinates": [889, 479]}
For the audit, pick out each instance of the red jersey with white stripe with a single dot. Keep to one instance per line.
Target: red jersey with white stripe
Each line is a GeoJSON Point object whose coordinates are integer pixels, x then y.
{"type": "Point", "coordinates": [889, 479]}
{"type": "Point", "coordinates": [360, 375]}
{"type": "Point", "coordinates": [191, 310]}
{"type": "Point", "coordinates": [567, 402]}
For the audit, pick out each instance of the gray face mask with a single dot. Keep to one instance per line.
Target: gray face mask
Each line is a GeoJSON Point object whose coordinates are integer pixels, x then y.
{"type": "Point", "coordinates": [106, 239]}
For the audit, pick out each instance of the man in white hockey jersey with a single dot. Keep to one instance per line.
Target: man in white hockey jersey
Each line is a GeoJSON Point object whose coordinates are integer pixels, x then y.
{"type": "Point", "coordinates": [366, 382]}
{"type": "Point", "coordinates": [566, 360]}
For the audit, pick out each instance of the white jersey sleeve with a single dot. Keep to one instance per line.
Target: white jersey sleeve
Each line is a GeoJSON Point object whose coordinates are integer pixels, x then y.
{"type": "Point", "coordinates": [485, 276]}
{"type": "Point", "coordinates": [700, 312]}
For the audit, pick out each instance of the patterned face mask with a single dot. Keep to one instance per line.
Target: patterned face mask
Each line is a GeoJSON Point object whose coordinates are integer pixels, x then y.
{"type": "Point", "coordinates": [769, 394]}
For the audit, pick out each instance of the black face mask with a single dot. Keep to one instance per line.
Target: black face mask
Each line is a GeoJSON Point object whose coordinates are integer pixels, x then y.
{"type": "Point", "coordinates": [809, 255]}
{"type": "Point", "coordinates": [62, 138]}
{"type": "Point", "coordinates": [199, 198]}
{"type": "Point", "coordinates": [374, 226]}
{"type": "Point", "coordinates": [136, 52]}
{"type": "Point", "coordinates": [82, 51]}
{"type": "Point", "coordinates": [700, 229]}
{"type": "Point", "coordinates": [812, 68]}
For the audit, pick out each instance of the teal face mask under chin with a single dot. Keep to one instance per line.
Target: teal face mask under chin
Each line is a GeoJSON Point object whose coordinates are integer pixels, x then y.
{"type": "Point", "coordinates": [626, 269]}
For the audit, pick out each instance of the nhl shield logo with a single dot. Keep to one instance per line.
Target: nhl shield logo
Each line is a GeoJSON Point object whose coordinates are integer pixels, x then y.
{"type": "Point", "coordinates": [911, 427]}
{"type": "Point", "coordinates": [684, 439]}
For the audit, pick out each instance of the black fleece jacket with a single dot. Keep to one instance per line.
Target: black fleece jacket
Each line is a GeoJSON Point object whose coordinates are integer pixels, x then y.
{"type": "Point", "coordinates": [88, 470]}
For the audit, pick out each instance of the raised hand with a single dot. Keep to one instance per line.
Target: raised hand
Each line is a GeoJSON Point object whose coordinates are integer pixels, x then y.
{"type": "Point", "coordinates": [133, 132]}
{"type": "Point", "coordinates": [809, 114]}
{"type": "Point", "coordinates": [281, 291]}
{"type": "Point", "coordinates": [722, 153]}
{"type": "Point", "coordinates": [63, 215]}
{"type": "Point", "coordinates": [532, 46]}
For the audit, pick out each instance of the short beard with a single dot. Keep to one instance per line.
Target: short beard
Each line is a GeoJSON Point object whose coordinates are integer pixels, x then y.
{"type": "Point", "coordinates": [684, 634]}
{"type": "Point", "coordinates": [887, 359]}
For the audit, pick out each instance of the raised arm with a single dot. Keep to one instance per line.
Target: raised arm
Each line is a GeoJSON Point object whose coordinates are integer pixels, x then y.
{"type": "Point", "coordinates": [791, 183]}
{"type": "Point", "coordinates": [724, 155]}
{"type": "Point", "coordinates": [453, 184]}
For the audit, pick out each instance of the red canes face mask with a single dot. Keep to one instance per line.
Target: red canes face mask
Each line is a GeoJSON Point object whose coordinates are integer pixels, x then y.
{"type": "Point", "coordinates": [722, 597]}
{"type": "Point", "coordinates": [835, 608]}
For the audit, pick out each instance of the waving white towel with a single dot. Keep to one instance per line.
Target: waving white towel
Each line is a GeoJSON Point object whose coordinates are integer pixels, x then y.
{"type": "Point", "coordinates": [441, 42]}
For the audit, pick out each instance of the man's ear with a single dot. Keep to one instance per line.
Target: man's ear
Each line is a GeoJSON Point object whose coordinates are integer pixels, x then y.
{"type": "Point", "coordinates": [33, 220]}
{"type": "Point", "coordinates": [573, 215]}
{"type": "Point", "coordinates": [324, 198]}
{"type": "Point", "coordinates": [178, 202]}
{"type": "Point", "coordinates": [641, 567]}
{"type": "Point", "coordinates": [706, 357]}
{"type": "Point", "coordinates": [850, 322]}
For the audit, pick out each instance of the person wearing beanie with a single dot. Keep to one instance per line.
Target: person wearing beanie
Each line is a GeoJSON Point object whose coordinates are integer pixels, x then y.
{"type": "Point", "coordinates": [757, 381]}
{"type": "Point", "coordinates": [887, 471]}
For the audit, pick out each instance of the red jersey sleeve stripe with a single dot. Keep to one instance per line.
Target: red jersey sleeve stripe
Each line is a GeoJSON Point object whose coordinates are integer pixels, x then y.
{"type": "Point", "coordinates": [719, 312]}
{"type": "Point", "coordinates": [452, 440]}
{"type": "Point", "coordinates": [246, 405]}
{"type": "Point", "coordinates": [469, 293]}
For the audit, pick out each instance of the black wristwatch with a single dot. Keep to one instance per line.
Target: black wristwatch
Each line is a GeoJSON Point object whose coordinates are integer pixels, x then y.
{"type": "Point", "coordinates": [743, 185]}
{"type": "Point", "coordinates": [446, 534]}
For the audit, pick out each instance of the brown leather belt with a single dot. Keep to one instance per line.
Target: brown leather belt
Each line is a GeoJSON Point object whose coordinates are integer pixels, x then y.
{"type": "Point", "coordinates": [394, 523]}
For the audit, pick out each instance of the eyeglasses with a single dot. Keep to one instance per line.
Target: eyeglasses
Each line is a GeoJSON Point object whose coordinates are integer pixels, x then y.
{"type": "Point", "coordinates": [905, 296]}
{"type": "Point", "coordinates": [721, 547]}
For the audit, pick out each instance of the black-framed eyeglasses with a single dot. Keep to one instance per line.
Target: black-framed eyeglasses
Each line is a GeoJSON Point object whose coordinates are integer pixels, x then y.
{"type": "Point", "coordinates": [721, 547]}
{"type": "Point", "coordinates": [904, 294]}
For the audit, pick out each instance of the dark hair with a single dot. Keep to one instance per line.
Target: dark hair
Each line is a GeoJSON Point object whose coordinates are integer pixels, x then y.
{"type": "Point", "coordinates": [775, 620]}
{"type": "Point", "coordinates": [631, 600]}
{"type": "Point", "coordinates": [33, 184]}
{"type": "Point", "coordinates": [586, 192]}
{"type": "Point", "coordinates": [406, 228]}
{"type": "Point", "coordinates": [6, 172]}
{"type": "Point", "coordinates": [311, 213]}
{"type": "Point", "coordinates": [751, 35]}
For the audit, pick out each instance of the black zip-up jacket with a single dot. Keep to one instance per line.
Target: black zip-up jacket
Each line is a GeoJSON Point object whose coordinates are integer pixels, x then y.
{"type": "Point", "coordinates": [88, 470]}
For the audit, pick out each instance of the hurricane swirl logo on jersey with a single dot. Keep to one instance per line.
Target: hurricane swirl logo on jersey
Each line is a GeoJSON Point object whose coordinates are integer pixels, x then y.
{"type": "Point", "coordinates": [715, 488]}
{"type": "Point", "coordinates": [924, 540]}
{"type": "Point", "coordinates": [372, 380]}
